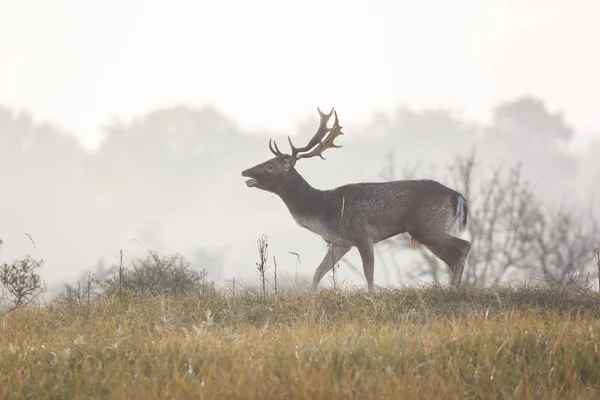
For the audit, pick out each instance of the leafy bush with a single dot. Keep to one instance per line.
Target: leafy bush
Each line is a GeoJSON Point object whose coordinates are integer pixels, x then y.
{"type": "Point", "coordinates": [155, 274]}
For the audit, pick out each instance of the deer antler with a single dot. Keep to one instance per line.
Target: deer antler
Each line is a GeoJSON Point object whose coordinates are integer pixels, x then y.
{"type": "Point", "coordinates": [317, 137]}
{"type": "Point", "coordinates": [327, 142]}
{"type": "Point", "coordinates": [319, 142]}
{"type": "Point", "coordinates": [275, 151]}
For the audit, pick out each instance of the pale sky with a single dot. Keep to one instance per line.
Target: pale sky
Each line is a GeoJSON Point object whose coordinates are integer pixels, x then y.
{"type": "Point", "coordinates": [267, 64]}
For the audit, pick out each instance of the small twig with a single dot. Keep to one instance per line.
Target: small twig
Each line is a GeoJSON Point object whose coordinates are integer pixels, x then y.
{"type": "Point", "coordinates": [339, 235]}
{"type": "Point", "coordinates": [597, 251]}
{"type": "Point", "coordinates": [275, 273]}
{"type": "Point", "coordinates": [89, 286]}
{"type": "Point", "coordinates": [120, 274]}
{"type": "Point", "coordinates": [30, 238]}
{"type": "Point", "coordinates": [334, 276]}
{"type": "Point", "coordinates": [297, 259]}
{"type": "Point", "coordinates": [262, 261]}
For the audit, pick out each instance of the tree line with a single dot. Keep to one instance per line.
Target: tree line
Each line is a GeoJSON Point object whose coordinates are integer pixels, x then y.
{"type": "Point", "coordinates": [533, 210]}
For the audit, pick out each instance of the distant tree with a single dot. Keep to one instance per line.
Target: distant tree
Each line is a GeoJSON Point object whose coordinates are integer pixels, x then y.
{"type": "Point", "coordinates": [168, 154]}
{"type": "Point", "coordinates": [25, 145]}
{"type": "Point", "coordinates": [524, 130]}
{"type": "Point", "coordinates": [528, 121]}
{"type": "Point", "coordinates": [437, 133]}
{"type": "Point", "coordinates": [589, 178]}
{"type": "Point", "coordinates": [175, 136]}
{"type": "Point", "coordinates": [36, 160]}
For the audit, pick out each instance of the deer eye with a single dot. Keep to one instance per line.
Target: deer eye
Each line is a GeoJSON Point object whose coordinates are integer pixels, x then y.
{"type": "Point", "coordinates": [269, 167]}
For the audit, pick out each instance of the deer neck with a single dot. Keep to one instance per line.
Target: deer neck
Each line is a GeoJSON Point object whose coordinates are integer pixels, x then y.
{"type": "Point", "coordinates": [301, 199]}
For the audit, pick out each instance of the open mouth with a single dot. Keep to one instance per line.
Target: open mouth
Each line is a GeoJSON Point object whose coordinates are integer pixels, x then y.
{"type": "Point", "coordinates": [250, 182]}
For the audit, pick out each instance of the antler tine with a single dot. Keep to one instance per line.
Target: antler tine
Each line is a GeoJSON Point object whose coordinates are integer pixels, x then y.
{"type": "Point", "coordinates": [327, 143]}
{"type": "Point", "coordinates": [317, 137]}
{"type": "Point", "coordinates": [276, 150]}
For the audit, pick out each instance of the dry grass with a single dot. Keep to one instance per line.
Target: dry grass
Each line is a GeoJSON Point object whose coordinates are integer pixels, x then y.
{"type": "Point", "coordinates": [413, 343]}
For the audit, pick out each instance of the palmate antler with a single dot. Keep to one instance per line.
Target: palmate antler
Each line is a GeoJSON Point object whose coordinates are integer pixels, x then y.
{"type": "Point", "coordinates": [321, 140]}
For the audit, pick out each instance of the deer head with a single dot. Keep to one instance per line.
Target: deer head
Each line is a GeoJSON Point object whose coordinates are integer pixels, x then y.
{"type": "Point", "coordinates": [273, 173]}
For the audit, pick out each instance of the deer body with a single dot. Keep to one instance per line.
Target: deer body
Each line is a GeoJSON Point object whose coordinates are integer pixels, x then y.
{"type": "Point", "coordinates": [363, 214]}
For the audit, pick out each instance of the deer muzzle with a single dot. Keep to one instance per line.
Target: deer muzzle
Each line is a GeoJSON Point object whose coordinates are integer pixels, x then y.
{"type": "Point", "coordinates": [249, 182]}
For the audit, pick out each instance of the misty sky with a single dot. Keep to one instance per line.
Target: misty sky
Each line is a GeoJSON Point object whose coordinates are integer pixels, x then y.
{"type": "Point", "coordinates": [268, 64]}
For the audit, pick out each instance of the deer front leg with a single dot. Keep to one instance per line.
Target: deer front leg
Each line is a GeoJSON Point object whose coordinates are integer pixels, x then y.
{"type": "Point", "coordinates": [365, 248]}
{"type": "Point", "coordinates": [334, 254]}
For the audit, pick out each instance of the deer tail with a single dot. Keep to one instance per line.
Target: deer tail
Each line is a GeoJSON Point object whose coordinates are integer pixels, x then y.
{"type": "Point", "coordinates": [462, 211]}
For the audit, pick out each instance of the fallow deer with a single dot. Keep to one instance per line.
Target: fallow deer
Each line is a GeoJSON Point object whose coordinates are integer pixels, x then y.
{"type": "Point", "coordinates": [362, 214]}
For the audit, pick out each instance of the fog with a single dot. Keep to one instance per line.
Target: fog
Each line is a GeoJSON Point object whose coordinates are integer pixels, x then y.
{"type": "Point", "coordinates": [126, 126]}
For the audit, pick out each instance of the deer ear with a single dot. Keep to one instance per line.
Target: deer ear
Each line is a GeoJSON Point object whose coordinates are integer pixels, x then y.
{"type": "Point", "coordinates": [288, 163]}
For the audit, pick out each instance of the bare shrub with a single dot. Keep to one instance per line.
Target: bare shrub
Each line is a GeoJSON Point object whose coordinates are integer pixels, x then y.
{"type": "Point", "coordinates": [82, 294]}
{"type": "Point", "coordinates": [21, 281]}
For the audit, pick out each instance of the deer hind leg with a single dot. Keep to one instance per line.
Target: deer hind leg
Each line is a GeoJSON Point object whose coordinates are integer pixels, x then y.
{"type": "Point", "coordinates": [334, 254]}
{"type": "Point", "coordinates": [451, 250]}
{"type": "Point", "coordinates": [454, 254]}
{"type": "Point", "coordinates": [463, 250]}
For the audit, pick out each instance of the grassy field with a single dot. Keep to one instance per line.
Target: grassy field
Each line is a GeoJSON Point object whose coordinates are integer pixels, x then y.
{"type": "Point", "coordinates": [428, 343]}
